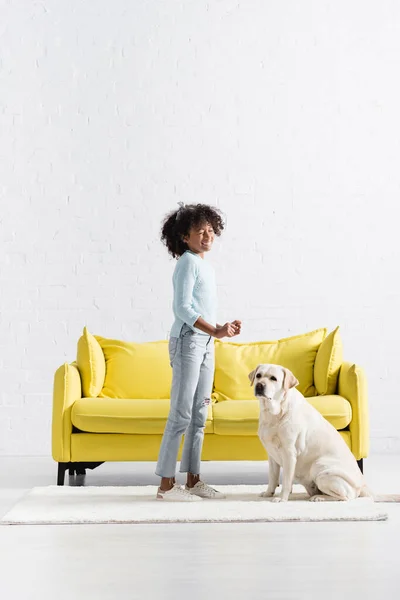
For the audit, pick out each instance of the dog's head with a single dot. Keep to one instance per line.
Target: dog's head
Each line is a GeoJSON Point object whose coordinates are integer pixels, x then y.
{"type": "Point", "coordinates": [271, 383]}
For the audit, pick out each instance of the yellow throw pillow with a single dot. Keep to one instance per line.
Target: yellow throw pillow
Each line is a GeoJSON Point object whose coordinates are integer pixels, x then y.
{"type": "Point", "coordinates": [233, 363]}
{"type": "Point", "coordinates": [133, 370]}
{"type": "Point", "coordinates": [327, 364]}
{"type": "Point", "coordinates": [91, 364]}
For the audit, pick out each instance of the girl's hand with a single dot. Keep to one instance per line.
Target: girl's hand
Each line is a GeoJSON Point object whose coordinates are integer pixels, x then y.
{"type": "Point", "coordinates": [229, 329]}
{"type": "Point", "coordinates": [238, 325]}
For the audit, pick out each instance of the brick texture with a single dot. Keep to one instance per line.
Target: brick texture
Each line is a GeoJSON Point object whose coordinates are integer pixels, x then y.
{"type": "Point", "coordinates": [285, 115]}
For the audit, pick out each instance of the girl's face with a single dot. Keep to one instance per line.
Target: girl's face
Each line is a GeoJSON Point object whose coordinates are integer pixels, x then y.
{"type": "Point", "coordinates": [200, 238]}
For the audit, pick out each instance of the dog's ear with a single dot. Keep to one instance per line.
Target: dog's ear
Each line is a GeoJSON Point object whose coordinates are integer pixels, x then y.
{"type": "Point", "coordinates": [252, 375]}
{"type": "Point", "coordinates": [289, 380]}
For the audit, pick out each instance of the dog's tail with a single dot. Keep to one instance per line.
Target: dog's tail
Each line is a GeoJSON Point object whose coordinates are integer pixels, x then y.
{"type": "Point", "coordinates": [365, 492]}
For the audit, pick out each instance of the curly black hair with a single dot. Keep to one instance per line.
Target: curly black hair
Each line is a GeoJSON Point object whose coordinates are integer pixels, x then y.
{"type": "Point", "coordinates": [178, 224]}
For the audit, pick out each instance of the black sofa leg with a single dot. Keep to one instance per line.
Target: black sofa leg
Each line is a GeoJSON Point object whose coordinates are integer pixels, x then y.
{"type": "Point", "coordinates": [78, 468]}
{"type": "Point", "coordinates": [361, 465]}
{"type": "Point", "coordinates": [62, 467]}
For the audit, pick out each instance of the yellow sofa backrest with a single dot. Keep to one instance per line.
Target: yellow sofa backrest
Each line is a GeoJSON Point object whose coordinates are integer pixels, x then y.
{"type": "Point", "coordinates": [119, 369]}
{"type": "Point", "coordinates": [234, 362]}
{"type": "Point", "coordinates": [136, 370]}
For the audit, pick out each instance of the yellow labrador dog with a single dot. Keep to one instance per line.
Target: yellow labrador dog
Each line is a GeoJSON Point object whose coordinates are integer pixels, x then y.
{"type": "Point", "coordinates": [299, 439]}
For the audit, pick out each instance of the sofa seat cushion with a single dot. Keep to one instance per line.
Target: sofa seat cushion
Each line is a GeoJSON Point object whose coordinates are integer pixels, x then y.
{"type": "Point", "coordinates": [236, 417]}
{"type": "Point", "coordinates": [113, 415]}
{"type": "Point", "coordinates": [240, 417]}
{"type": "Point", "coordinates": [335, 409]}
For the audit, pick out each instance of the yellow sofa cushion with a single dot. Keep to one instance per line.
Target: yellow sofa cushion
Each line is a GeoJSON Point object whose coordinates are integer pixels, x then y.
{"type": "Point", "coordinates": [136, 370]}
{"type": "Point", "coordinates": [236, 417]}
{"type": "Point", "coordinates": [91, 364]}
{"type": "Point", "coordinates": [328, 362]}
{"type": "Point", "coordinates": [115, 415]}
{"type": "Point", "coordinates": [336, 409]}
{"type": "Point", "coordinates": [240, 417]}
{"type": "Point", "coordinates": [233, 363]}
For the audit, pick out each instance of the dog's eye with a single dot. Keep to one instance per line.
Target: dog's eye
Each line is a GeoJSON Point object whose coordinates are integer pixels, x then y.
{"type": "Point", "coordinates": [273, 378]}
{"type": "Point", "coordinates": [258, 375]}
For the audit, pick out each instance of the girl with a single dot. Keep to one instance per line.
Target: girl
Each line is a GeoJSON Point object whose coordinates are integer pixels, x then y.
{"type": "Point", "coordinates": [188, 234]}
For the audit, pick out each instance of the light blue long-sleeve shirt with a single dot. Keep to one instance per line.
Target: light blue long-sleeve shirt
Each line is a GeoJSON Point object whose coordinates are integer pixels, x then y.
{"type": "Point", "coordinates": [195, 293]}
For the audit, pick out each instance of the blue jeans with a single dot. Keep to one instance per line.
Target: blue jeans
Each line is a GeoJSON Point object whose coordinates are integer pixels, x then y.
{"type": "Point", "coordinates": [192, 361]}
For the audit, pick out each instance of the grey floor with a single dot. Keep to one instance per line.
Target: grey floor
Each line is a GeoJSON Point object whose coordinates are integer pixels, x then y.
{"type": "Point", "coordinates": [282, 561]}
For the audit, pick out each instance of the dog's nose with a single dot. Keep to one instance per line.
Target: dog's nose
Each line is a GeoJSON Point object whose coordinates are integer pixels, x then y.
{"type": "Point", "coordinates": [260, 388]}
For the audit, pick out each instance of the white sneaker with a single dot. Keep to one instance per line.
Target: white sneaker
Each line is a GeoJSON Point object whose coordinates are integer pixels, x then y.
{"type": "Point", "coordinates": [202, 490]}
{"type": "Point", "coordinates": [176, 494]}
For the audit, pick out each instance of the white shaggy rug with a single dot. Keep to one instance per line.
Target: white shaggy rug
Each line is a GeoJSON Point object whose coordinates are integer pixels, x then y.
{"type": "Point", "coordinates": [61, 505]}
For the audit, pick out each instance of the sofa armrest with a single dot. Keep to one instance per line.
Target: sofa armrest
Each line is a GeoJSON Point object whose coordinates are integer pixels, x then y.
{"type": "Point", "coordinates": [352, 385]}
{"type": "Point", "coordinates": [67, 389]}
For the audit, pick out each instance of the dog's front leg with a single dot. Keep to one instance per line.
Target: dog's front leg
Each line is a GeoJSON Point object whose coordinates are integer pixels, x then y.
{"type": "Point", "coordinates": [273, 478]}
{"type": "Point", "coordinates": [289, 466]}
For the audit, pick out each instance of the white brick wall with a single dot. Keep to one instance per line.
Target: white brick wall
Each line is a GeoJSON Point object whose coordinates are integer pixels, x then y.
{"type": "Point", "coordinates": [284, 114]}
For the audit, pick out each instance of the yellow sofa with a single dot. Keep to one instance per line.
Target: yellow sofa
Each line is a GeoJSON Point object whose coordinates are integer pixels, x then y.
{"type": "Point", "coordinates": [112, 403]}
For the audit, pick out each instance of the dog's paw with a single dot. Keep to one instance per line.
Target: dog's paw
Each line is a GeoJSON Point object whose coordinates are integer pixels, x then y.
{"type": "Point", "coordinates": [266, 494]}
{"type": "Point", "coordinates": [317, 498]}
{"type": "Point", "coordinates": [279, 499]}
